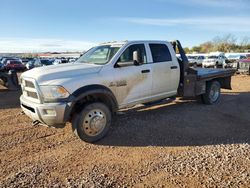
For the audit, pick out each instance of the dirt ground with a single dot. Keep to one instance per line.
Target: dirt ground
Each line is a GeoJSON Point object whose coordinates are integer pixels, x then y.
{"type": "Point", "coordinates": [172, 144]}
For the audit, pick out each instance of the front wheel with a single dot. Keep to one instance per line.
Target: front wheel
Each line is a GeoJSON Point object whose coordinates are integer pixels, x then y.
{"type": "Point", "coordinates": [92, 123]}
{"type": "Point", "coordinates": [213, 92]}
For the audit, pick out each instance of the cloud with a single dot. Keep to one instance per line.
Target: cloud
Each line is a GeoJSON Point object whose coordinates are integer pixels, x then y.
{"type": "Point", "coordinates": [19, 45]}
{"type": "Point", "coordinates": [235, 4]}
{"type": "Point", "coordinates": [223, 24]}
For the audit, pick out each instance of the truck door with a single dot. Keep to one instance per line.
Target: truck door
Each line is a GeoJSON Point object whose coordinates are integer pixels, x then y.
{"type": "Point", "coordinates": [165, 71]}
{"type": "Point", "coordinates": [133, 82]}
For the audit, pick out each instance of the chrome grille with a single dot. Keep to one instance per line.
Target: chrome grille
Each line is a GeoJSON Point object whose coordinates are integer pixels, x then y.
{"type": "Point", "coordinates": [30, 90]}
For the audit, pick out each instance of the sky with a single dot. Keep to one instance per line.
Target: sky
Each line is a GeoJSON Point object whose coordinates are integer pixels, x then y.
{"type": "Point", "coordinates": [76, 25]}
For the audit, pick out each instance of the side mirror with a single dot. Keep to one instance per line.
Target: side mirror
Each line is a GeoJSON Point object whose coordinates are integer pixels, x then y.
{"type": "Point", "coordinates": [136, 58]}
{"type": "Point", "coordinates": [136, 61]}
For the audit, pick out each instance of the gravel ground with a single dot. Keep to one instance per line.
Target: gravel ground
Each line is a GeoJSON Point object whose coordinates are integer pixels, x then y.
{"type": "Point", "coordinates": [172, 144]}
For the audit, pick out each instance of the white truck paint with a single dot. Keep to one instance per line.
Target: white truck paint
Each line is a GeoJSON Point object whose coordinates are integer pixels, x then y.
{"type": "Point", "coordinates": [110, 77]}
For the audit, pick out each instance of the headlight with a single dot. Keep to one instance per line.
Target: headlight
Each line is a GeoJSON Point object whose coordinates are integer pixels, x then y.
{"type": "Point", "coordinates": [54, 92]}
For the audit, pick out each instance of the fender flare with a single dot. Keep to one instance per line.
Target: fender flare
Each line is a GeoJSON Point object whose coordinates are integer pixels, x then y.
{"type": "Point", "coordinates": [95, 90]}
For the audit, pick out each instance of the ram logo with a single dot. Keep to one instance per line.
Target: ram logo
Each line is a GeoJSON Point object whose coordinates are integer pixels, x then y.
{"type": "Point", "coordinates": [118, 83]}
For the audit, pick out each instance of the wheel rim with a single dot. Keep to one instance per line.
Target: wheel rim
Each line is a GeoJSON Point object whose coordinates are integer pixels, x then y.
{"type": "Point", "coordinates": [94, 122]}
{"type": "Point", "coordinates": [214, 93]}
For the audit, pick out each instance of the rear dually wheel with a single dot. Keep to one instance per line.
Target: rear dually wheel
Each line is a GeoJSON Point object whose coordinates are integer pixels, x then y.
{"type": "Point", "coordinates": [213, 92]}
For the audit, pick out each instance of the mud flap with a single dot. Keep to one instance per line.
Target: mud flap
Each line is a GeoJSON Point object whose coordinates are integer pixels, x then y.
{"type": "Point", "coordinates": [225, 83]}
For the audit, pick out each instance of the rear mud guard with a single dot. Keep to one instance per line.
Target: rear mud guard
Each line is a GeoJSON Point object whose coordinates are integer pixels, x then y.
{"type": "Point", "coordinates": [225, 83]}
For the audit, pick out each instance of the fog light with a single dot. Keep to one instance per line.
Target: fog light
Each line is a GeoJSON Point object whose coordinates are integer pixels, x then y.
{"type": "Point", "coordinates": [50, 112]}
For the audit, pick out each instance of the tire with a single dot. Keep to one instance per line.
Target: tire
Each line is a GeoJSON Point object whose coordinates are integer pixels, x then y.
{"type": "Point", "coordinates": [92, 123]}
{"type": "Point", "coordinates": [213, 92]}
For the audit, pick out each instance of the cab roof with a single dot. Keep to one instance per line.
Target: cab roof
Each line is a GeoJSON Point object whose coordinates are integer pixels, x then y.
{"type": "Point", "coordinates": [131, 41]}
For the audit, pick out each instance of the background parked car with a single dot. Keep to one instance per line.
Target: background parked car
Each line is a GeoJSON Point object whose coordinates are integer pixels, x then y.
{"type": "Point", "coordinates": [244, 65]}
{"type": "Point", "coordinates": [26, 60]}
{"type": "Point", "coordinates": [5, 59]}
{"type": "Point", "coordinates": [195, 60]}
{"type": "Point", "coordinates": [233, 61]}
{"type": "Point", "coordinates": [215, 60]}
{"type": "Point", "coordinates": [236, 57]}
{"type": "Point", "coordinates": [72, 60]}
{"type": "Point", "coordinates": [30, 64]}
{"type": "Point", "coordinates": [60, 61]}
{"type": "Point", "coordinates": [14, 65]}
{"type": "Point", "coordinates": [38, 63]}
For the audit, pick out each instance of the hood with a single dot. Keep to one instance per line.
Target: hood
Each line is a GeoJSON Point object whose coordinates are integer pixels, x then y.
{"type": "Point", "coordinates": [192, 60]}
{"type": "Point", "coordinates": [209, 60]}
{"type": "Point", "coordinates": [61, 71]}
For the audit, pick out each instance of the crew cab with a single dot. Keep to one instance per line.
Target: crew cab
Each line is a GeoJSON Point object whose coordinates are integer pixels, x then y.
{"type": "Point", "coordinates": [114, 76]}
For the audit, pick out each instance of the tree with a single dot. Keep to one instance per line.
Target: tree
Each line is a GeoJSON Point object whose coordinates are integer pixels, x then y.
{"type": "Point", "coordinates": [196, 49]}
{"type": "Point", "coordinates": [187, 50]}
{"type": "Point", "coordinates": [226, 43]}
{"type": "Point", "coordinates": [206, 47]}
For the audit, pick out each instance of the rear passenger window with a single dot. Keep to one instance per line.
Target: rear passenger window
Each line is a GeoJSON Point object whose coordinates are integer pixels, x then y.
{"type": "Point", "coordinates": [160, 53]}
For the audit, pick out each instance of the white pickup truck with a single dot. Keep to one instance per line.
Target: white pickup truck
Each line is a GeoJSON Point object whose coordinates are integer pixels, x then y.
{"type": "Point", "coordinates": [113, 76]}
{"type": "Point", "coordinates": [214, 60]}
{"type": "Point", "coordinates": [195, 60]}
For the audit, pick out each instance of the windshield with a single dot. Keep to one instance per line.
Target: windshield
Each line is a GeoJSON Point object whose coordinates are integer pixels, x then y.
{"type": "Point", "coordinates": [45, 62]}
{"type": "Point", "coordinates": [233, 56]}
{"type": "Point", "coordinates": [192, 57]}
{"type": "Point", "coordinates": [15, 62]}
{"type": "Point", "coordinates": [212, 57]}
{"type": "Point", "coordinates": [99, 55]}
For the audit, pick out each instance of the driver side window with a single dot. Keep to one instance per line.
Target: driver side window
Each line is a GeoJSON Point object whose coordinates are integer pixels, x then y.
{"type": "Point", "coordinates": [127, 55]}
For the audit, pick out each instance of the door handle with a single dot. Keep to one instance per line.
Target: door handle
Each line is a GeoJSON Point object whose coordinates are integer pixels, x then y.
{"type": "Point", "coordinates": [174, 67]}
{"type": "Point", "coordinates": [145, 71]}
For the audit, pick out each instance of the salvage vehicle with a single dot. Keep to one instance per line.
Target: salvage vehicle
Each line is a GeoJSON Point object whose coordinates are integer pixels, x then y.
{"type": "Point", "coordinates": [6, 59]}
{"type": "Point", "coordinates": [14, 65]}
{"type": "Point", "coordinates": [60, 61]}
{"type": "Point", "coordinates": [233, 60]}
{"type": "Point", "coordinates": [244, 66]}
{"type": "Point", "coordinates": [38, 63]}
{"type": "Point", "coordinates": [113, 76]}
{"type": "Point", "coordinates": [214, 60]}
{"type": "Point", "coordinates": [26, 60]}
{"type": "Point", "coordinates": [195, 60]}
{"type": "Point", "coordinates": [236, 57]}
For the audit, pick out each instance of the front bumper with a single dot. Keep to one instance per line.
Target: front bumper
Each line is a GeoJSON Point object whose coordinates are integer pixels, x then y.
{"type": "Point", "coordinates": [51, 114]}
{"type": "Point", "coordinates": [208, 64]}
